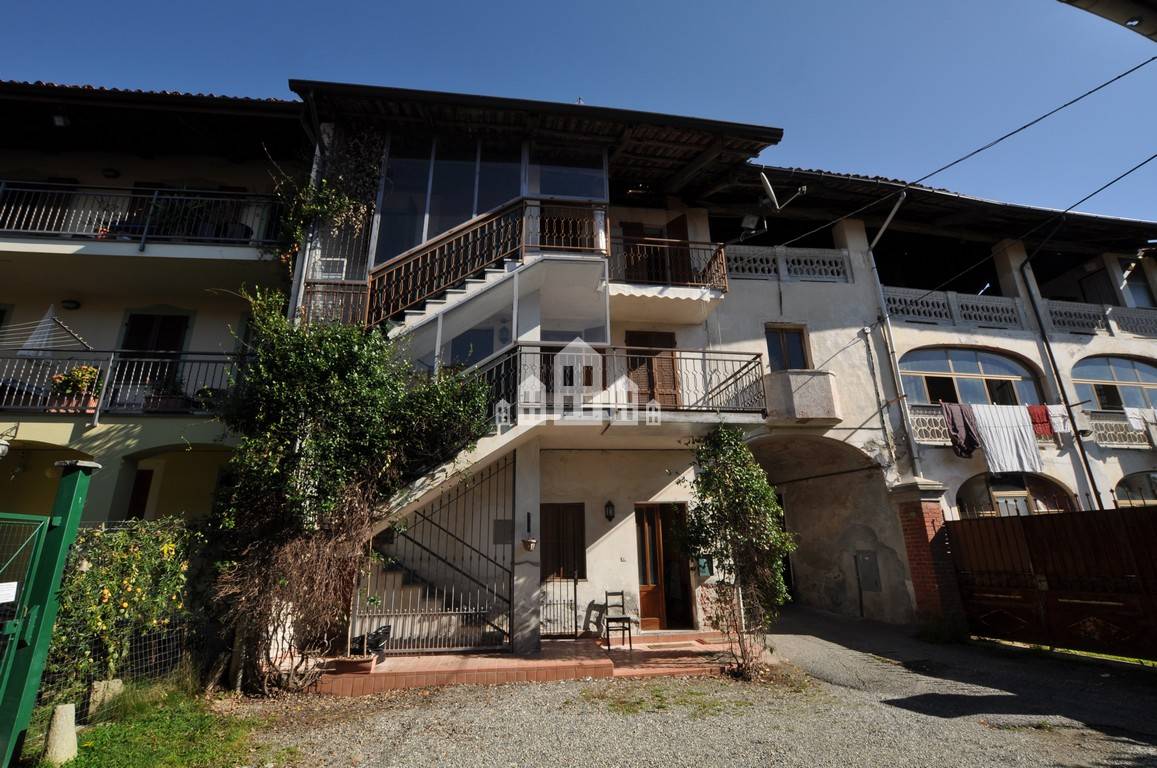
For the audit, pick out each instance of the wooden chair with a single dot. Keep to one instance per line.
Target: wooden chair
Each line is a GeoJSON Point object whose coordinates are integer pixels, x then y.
{"type": "Point", "coordinates": [616, 618]}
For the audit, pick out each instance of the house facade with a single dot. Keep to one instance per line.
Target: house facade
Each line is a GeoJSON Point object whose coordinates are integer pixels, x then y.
{"type": "Point", "coordinates": [130, 222]}
{"type": "Point", "coordinates": [624, 284]}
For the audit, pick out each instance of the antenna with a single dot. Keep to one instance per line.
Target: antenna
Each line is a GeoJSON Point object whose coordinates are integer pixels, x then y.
{"type": "Point", "coordinates": [771, 193]}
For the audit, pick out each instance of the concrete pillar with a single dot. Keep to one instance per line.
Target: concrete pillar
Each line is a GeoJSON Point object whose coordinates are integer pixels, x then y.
{"type": "Point", "coordinates": [850, 234]}
{"type": "Point", "coordinates": [1007, 256]}
{"type": "Point", "coordinates": [929, 563]}
{"type": "Point", "coordinates": [527, 630]}
{"type": "Point", "coordinates": [60, 742]}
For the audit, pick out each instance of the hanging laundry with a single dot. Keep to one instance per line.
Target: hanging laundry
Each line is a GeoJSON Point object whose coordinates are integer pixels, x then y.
{"type": "Point", "coordinates": [1059, 419]}
{"type": "Point", "coordinates": [1041, 424]}
{"type": "Point", "coordinates": [1136, 418]}
{"type": "Point", "coordinates": [1007, 437]}
{"type": "Point", "coordinates": [961, 428]}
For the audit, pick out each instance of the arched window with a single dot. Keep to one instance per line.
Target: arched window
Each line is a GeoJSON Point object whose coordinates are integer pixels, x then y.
{"type": "Point", "coordinates": [957, 375]}
{"type": "Point", "coordinates": [1113, 383]}
{"type": "Point", "coordinates": [1010, 495]}
{"type": "Point", "coordinates": [1137, 490]}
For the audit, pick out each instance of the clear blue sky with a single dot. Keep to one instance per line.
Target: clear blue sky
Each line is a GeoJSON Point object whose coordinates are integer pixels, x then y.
{"type": "Point", "coordinates": [893, 87]}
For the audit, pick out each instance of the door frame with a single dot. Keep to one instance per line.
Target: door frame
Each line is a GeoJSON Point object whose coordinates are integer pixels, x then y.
{"type": "Point", "coordinates": [661, 621]}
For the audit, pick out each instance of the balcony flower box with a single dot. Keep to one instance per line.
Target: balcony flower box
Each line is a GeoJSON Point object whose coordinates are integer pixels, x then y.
{"type": "Point", "coordinates": [76, 390]}
{"type": "Point", "coordinates": [79, 403]}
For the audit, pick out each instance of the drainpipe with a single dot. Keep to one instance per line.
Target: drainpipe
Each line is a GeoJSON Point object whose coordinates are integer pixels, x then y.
{"type": "Point", "coordinates": [1057, 376]}
{"type": "Point", "coordinates": [885, 320]}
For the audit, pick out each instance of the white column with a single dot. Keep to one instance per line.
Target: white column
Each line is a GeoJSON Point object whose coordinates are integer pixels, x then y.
{"type": "Point", "coordinates": [527, 631]}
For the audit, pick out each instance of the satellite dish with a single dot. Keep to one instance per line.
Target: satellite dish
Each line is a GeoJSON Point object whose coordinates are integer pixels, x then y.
{"type": "Point", "coordinates": [771, 193]}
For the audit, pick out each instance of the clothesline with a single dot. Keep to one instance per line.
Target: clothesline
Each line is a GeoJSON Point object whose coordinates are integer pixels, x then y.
{"type": "Point", "coordinates": [1006, 433]}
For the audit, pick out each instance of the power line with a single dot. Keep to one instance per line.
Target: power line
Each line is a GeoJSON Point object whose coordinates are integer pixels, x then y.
{"type": "Point", "coordinates": [976, 152]}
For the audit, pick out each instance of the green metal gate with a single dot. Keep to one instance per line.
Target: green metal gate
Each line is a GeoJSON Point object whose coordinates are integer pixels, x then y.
{"type": "Point", "coordinates": [33, 550]}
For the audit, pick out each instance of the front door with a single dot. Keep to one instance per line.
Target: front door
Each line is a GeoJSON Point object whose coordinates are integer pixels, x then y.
{"type": "Point", "coordinates": [664, 568]}
{"type": "Point", "coordinates": [651, 364]}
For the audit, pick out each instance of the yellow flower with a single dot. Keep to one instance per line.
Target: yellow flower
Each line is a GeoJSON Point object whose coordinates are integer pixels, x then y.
{"type": "Point", "coordinates": [168, 549]}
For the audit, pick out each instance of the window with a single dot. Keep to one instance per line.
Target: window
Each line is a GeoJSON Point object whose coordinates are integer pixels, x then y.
{"type": "Point", "coordinates": [1012, 494]}
{"type": "Point", "coordinates": [1136, 490]}
{"type": "Point", "coordinates": [1113, 383]}
{"type": "Point", "coordinates": [954, 375]}
{"type": "Point", "coordinates": [563, 541]}
{"type": "Point", "coordinates": [567, 172]}
{"type": "Point", "coordinates": [786, 347]}
{"type": "Point", "coordinates": [1136, 284]}
{"type": "Point", "coordinates": [401, 218]}
{"type": "Point", "coordinates": [155, 333]}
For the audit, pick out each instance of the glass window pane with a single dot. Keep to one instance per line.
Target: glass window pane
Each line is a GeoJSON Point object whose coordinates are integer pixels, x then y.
{"type": "Point", "coordinates": [1108, 397]}
{"type": "Point", "coordinates": [940, 388]}
{"type": "Point", "coordinates": [1085, 392]}
{"type": "Point", "coordinates": [1146, 371]}
{"type": "Point", "coordinates": [1123, 369]}
{"type": "Point", "coordinates": [452, 192]}
{"type": "Point", "coordinates": [964, 360]}
{"type": "Point", "coordinates": [1001, 391]}
{"type": "Point", "coordinates": [1027, 392]}
{"type": "Point", "coordinates": [1136, 284]}
{"type": "Point", "coordinates": [972, 390]}
{"type": "Point", "coordinates": [1093, 369]}
{"type": "Point", "coordinates": [1133, 397]}
{"type": "Point", "coordinates": [793, 340]}
{"type": "Point", "coordinates": [499, 175]}
{"type": "Point", "coordinates": [1001, 366]}
{"type": "Point", "coordinates": [914, 389]}
{"type": "Point", "coordinates": [776, 356]}
{"type": "Point", "coordinates": [404, 200]}
{"type": "Point", "coordinates": [935, 360]}
{"type": "Point", "coordinates": [567, 172]}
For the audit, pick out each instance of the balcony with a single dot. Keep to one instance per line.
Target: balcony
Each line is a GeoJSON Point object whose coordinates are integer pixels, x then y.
{"type": "Point", "coordinates": [1092, 319]}
{"type": "Point", "coordinates": [800, 265]}
{"type": "Point", "coordinates": [1111, 430]}
{"type": "Point", "coordinates": [113, 382]}
{"type": "Point", "coordinates": [801, 397]}
{"type": "Point", "coordinates": [616, 383]}
{"type": "Point", "coordinates": [929, 427]}
{"type": "Point", "coordinates": [916, 305]}
{"type": "Point", "coordinates": [99, 215]}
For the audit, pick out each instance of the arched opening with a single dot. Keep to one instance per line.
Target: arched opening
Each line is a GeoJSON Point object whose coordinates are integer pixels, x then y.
{"type": "Point", "coordinates": [1108, 383]}
{"type": "Point", "coordinates": [1138, 489]}
{"type": "Point", "coordinates": [28, 476]}
{"type": "Point", "coordinates": [165, 480]}
{"type": "Point", "coordinates": [963, 375]}
{"type": "Point", "coordinates": [1012, 494]}
{"type": "Point", "coordinates": [850, 555]}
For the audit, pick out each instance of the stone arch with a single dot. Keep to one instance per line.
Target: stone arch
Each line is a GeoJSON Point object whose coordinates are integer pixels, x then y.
{"type": "Point", "coordinates": [1011, 494]}
{"type": "Point", "coordinates": [850, 557]}
{"type": "Point", "coordinates": [28, 475]}
{"type": "Point", "coordinates": [171, 479]}
{"type": "Point", "coordinates": [1137, 489]}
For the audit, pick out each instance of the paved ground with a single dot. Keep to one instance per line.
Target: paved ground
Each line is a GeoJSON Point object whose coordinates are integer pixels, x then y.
{"type": "Point", "coordinates": [871, 696]}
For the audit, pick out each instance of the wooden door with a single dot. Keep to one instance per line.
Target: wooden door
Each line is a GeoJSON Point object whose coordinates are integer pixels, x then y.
{"type": "Point", "coordinates": [649, 530]}
{"type": "Point", "coordinates": [679, 257]}
{"type": "Point", "coordinates": [651, 368]}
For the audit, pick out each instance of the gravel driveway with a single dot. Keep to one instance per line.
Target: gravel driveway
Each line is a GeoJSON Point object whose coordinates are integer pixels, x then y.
{"type": "Point", "coordinates": [854, 707]}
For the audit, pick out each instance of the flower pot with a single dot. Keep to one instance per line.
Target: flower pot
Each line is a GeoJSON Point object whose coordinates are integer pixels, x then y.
{"type": "Point", "coordinates": [72, 404]}
{"type": "Point", "coordinates": [352, 665]}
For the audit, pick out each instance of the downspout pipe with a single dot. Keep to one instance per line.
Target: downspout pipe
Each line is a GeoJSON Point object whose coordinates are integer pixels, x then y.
{"type": "Point", "coordinates": [1057, 377]}
{"type": "Point", "coordinates": [885, 320]}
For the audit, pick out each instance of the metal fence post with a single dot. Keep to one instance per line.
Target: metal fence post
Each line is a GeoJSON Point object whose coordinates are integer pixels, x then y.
{"type": "Point", "coordinates": [100, 400]}
{"type": "Point", "coordinates": [35, 634]}
{"type": "Point", "coordinates": [148, 221]}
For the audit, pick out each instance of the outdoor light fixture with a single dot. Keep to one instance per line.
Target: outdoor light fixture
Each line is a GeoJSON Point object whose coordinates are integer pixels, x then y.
{"type": "Point", "coordinates": [1133, 22]}
{"type": "Point", "coordinates": [609, 510]}
{"type": "Point", "coordinates": [70, 304]}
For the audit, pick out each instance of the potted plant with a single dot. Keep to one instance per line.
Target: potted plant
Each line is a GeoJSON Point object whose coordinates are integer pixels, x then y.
{"type": "Point", "coordinates": [168, 395]}
{"type": "Point", "coordinates": [76, 390]}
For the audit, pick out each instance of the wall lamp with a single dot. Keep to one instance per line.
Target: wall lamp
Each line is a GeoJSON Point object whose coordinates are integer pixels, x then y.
{"type": "Point", "coordinates": [609, 511]}
{"type": "Point", "coordinates": [70, 304]}
{"type": "Point", "coordinates": [6, 438]}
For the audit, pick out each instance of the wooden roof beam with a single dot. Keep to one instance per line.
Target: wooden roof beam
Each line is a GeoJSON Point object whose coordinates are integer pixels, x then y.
{"type": "Point", "coordinates": [682, 177]}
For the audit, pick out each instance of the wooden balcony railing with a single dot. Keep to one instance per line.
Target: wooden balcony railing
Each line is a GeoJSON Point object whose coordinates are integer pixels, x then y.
{"type": "Point", "coordinates": [136, 215]}
{"type": "Point", "coordinates": [335, 302]}
{"type": "Point", "coordinates": [657, 261]}
{"type": "Point", "coordinates": [487, 241]}
{"type": "Point", "coordinates": [113, 382]}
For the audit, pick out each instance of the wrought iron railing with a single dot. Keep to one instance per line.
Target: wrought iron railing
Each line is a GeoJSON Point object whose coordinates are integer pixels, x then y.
{"type": "Point", "coordinates": [487, 241]}
{"type": "Point", "coordinates": [623, 383]}
{"type": "Point", "coordinates": [948, 308]}
{"type": "Point", "coordinates": [442, 578]}
{"type": "Point", "coordinates": [124, 381]}
{"type": "Point", "coordinates": [930, 428]}
{"type": "Point", "coordinates": [137, 215]}
{"type": "Point", "coordinates": [658, 261]}
{"type": "Point", "coordinates": [1111, 429]}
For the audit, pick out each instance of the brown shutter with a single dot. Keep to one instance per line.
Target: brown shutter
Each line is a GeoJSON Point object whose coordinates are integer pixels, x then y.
{"type": "Point", "coordinates": [680, 255]}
